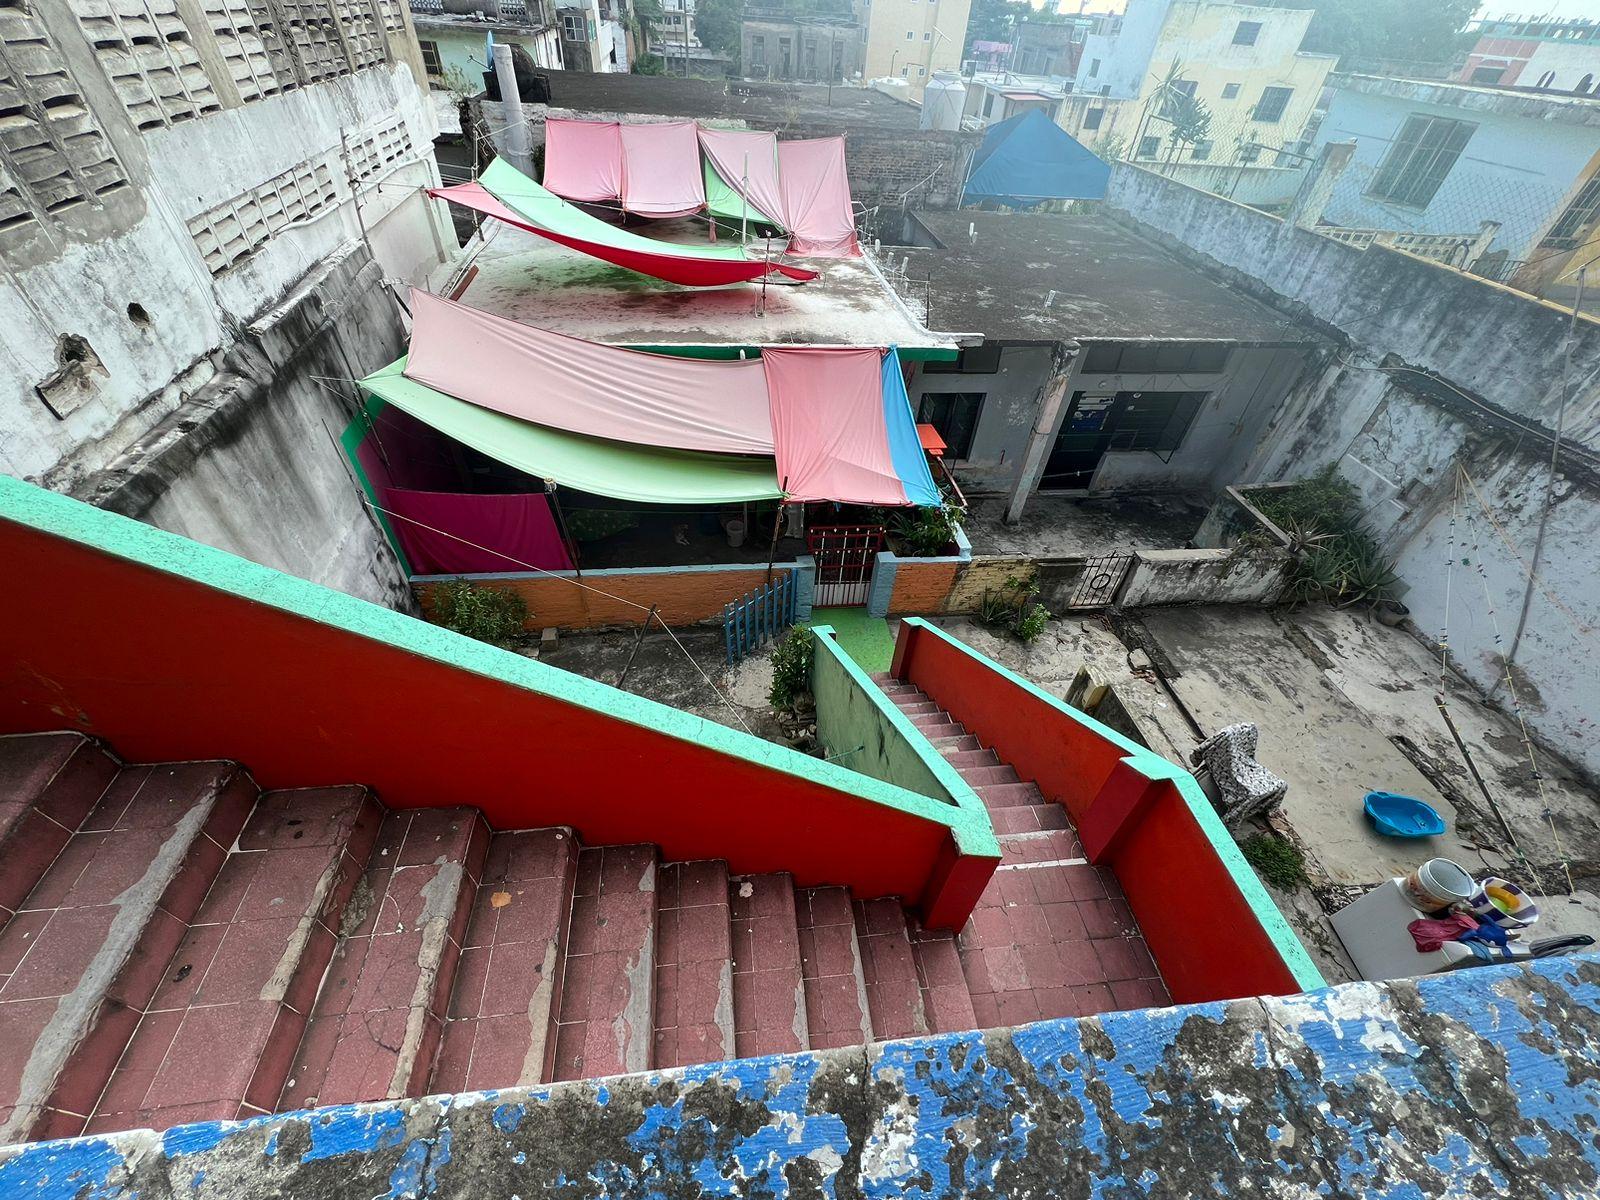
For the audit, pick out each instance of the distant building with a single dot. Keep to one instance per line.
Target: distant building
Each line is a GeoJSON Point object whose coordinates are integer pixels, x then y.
{"type": "Point", "coordinates": [811, 43]}
{"type": "Point", "coordinates": [1442, 159]}
{"type": "Point", "coordinates": [995, 95]}
{"type": "Point", "coordinates": [911, 39]}
{"type": "Point", "coordinates": [1050, 47]}
{"type": "Point", "coordinates": [1548, 55]}
{"type": "Point", "coordinates": [454, 39]}
{"type": "Point", "coordinates": [1242, 62]}
{"type": "Point", "coordinates": [594, 35]}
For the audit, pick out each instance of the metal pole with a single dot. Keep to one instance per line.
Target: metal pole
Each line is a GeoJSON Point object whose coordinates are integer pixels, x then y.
{"type": "Point", "coordinates": [764, 275]}
{"type": "Point", "coordinates": [355, 196]}
{"type": "Point", "coordinates": [1550, 479]}
{"type": "Point", "coordinates": [833, 41]}
{"type": "Point", "coordinates": [637, 642]}
{"type": "Point", "coordinates": [516, 130]}
{"type": "Point", "coordinates": [772, 551]}
{"type": "Point", "coordinates": [744, 200]}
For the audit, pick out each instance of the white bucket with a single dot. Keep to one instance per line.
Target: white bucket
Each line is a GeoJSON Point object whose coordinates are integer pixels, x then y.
{"type": "Point", "coordinates": [735, 531]}
{"type": "Point", "coordinates": [1438, 883]}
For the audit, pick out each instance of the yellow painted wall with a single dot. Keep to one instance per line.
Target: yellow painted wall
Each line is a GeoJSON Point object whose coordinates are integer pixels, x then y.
{"type": "Point", "coordinates": [890, 53]}
{"type": "Point", "coordinates": [1198, 35]}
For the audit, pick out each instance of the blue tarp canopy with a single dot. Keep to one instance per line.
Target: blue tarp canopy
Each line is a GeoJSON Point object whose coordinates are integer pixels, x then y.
{"type": "Point", "coordinates": [1029, 158]}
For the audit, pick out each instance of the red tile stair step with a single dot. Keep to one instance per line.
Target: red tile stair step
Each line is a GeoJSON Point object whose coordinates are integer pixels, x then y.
{"type": "Point", "coordinates": [694, 1008]}
{"type": "Point", "coordinates": [219, 1037]}
{"type": "Point", "coordinates": [605, 1022]}
{"type": "Point", "coordinates": [86, 950]}
{"type": "Point", "coordinates": [769, 991]}
{"type": "Point", "coordinates": [375, 1029]}
{"type": "Point", "coordinates": [501, 1030]}
{"type": "Point", "coordinates": [48, 784]}
{"type": "Point", "coordinates": [889, 970]}
{"type": "Point", "coordinates": [837, 1011]}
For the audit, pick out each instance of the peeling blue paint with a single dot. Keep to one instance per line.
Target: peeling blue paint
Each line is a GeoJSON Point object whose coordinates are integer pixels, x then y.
{"type": "Point", "coordinates": [1486, 1082]}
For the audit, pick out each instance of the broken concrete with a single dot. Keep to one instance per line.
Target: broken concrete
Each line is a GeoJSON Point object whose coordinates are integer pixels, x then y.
{"type": "Point", "coordinates": [1478, 1083]}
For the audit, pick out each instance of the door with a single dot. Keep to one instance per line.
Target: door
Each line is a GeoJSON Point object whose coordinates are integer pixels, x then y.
{"type": "Point", "coordinates": [845, 557]}
{"type": "Point", "coordinates": [1098, 422]}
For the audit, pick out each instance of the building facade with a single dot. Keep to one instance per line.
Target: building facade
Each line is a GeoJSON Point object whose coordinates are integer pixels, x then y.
{"type": "Point", "coordinates": [455, 45]}
{"type": "Point", "coordinates": [996, 95]}
{"type": "Point", "coordinates": [1547, 55]}
{"type": "Point", "coordinates": [805, 45]}
{"type": "Point", "coordinates": [1442, 158]}
{"type": "Point", "coordinates": [173, 189]}
{"type": "Point", "coordinates": [1242, 62]}
{"type": "Point", "coordinates": [911, 39]}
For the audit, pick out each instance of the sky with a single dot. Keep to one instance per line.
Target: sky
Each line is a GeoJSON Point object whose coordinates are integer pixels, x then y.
{"type": "Point", "coordinates": [1542, 8]}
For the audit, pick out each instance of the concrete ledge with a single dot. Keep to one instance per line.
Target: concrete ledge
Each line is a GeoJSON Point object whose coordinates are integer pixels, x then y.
{"type": "Point", "coordinates": [1477, 1083]}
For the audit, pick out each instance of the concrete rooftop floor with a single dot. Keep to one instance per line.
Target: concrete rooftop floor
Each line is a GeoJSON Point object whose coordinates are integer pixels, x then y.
{"type": "Point", "coordinates": [1065, 527]}
{"type": "Point", "coordinates": [533, 280]}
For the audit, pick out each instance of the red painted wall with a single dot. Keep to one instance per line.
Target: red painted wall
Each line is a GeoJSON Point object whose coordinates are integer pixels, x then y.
{"type": "Point", "coordinates": [1201, 930]}
{"type": "Point", "coordinates": [166, 668]}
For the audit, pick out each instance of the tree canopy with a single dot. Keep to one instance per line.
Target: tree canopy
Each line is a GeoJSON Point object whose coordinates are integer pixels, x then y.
{"type": "Point", "coordinates": [716, 24]}
{"type": "Point", "coordinates": [994, 20]}
{"type": "Point", "coordinates": [1366, 31]}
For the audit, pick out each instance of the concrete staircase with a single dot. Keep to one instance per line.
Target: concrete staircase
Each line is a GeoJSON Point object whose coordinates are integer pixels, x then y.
{"type": "Point", "coordinates": [177, 945]}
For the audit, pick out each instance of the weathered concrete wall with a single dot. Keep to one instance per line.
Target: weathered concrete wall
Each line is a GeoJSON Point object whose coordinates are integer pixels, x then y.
{"type": "Point", "coordinates": [1444, 370]}
{"type": "Point", "coordinates": [1478, 1083]}
{"type": "Point", "coordinates": [1502, 347]}
{"type": "Point", "coordinates": [1164, 577]}
{"type": "Point", "coordinates": [250, 462]}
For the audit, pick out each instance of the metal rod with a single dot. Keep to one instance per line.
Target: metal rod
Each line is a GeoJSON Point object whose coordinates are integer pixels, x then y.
{"type": "Point", "coordinates": [355, 195]}
{"type": "Point", "coordinates": [637, 642]}
{"type": "Point", "coordinates": [566, 535]}
{"type": "Point", "coordinates": [772, 551]}
{"type": "Point", "coordinates": [1472, 769]}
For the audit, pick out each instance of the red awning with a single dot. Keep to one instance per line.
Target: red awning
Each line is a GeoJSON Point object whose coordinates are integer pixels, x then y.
{"type": "Point", "coordinates": [931, 441]}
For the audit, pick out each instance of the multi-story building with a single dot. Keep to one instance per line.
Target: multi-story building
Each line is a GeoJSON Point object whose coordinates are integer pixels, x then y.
{"type": "Point", "coordinates": [194, 213]}
{"type": "Point", "coordinates": [1242, 63]}
{"type": "Point", "coordinates": [1548, 55]}
{"type": "Point", "coordinates": [911, 39]}
{"type": "Point", "coordinates": [454, 37]}
{"type": "Point", "coordinates": [804, 42]}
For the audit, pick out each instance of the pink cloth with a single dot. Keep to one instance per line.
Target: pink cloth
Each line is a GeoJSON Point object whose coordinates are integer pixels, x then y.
{"type": "Point", "coordinates": [583, 159]}
{"type": "Point", "coordinates": [748, 163]}
{"type": "Point", "coordinates": [827, 421]}
{"type": "Point", "coordinates": [1430, 934]}
{"type": "Point", "coordinates": [661, 174]}
{"type": "Point", "coordinates": [585, 387]}
{"type": "Point", "coordinates": [817, 210]}
{"type": "Point", "coordinates": [515, 531]}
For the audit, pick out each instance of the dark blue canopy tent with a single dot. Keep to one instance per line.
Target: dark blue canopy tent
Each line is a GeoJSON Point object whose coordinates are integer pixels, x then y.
{"type": "Point", "coordinates": [1029, 158]}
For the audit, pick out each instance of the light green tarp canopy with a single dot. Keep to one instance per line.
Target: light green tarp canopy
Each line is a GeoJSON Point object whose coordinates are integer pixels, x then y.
{"type": "Point", "coordinates": [588, 464]}
{"type": "Point", "coordinates": [725, 202]}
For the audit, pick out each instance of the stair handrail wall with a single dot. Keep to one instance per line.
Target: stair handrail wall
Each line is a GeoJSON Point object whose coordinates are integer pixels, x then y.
{"type": "Point", "coordinates": [172, 650]}
{"type": "Point", "coordinates": [1214, 932]}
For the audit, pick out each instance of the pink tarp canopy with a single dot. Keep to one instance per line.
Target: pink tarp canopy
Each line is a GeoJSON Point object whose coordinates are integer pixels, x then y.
{"type": "Point", "coordinates": [828, 424]}
{"type": "Point", "coordinates": [514, 532]}
{"type": "Point", "coordinates": [815, 192]}
{"type": "Point", "coordinates": [586, 387]}
{"type": "Point", "coordinates": [748, 163]}
{"type": "Point", "coordinates": [661, 174]}
{"type": "Point", "coordinates": [583, 159]}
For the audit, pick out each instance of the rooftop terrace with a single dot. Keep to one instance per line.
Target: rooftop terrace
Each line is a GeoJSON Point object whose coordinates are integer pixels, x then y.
{"type": "Point", "coordinates": [1024, 277]}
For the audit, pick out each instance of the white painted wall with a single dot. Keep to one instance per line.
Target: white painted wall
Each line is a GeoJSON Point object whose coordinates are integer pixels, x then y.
{"type": "Point", "coordinates": [1569, 62]}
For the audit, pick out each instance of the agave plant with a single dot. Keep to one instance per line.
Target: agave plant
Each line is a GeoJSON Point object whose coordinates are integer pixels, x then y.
{"type": "Point", "coordinates": [1368, 576]}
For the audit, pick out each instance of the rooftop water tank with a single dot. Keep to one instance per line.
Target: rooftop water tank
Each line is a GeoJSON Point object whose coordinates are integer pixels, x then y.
{"type": "Point", "coordinates": [944, 101]}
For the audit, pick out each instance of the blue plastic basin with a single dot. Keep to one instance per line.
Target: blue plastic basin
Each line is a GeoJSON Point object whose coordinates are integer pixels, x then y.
{"type": "Point", "coordinates": [1402, 816]}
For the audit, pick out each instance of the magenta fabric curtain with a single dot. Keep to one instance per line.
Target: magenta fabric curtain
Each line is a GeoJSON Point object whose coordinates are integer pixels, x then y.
{"type": "Point", "coordinates": [661, 174]}
{"type": "Point", "coordinates": [515, 532]}
{"type": "Point", "coordinates": [817, 209]}
{"type": "Point", "coordinates": [827, 421]}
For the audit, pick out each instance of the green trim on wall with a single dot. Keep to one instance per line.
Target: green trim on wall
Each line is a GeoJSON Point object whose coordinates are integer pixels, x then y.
{"type": "Point", "coordinates": [970, 822]}
{"type": "Point", "coordinates": [1152, 766]}
{"type": "Point", "coordinates": [348, 441]}
{"type": "Point", "coordinates": [156, 549]}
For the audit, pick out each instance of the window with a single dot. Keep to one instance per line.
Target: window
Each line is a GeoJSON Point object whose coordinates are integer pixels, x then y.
{"type": "Point", "coordinates": [1568, 231]}
{"type": "Point", "coordinates": [910, 36]}
{"type": "Point", "coordinates": [1545, 80]}
{"type": "Point", "coordinates": [758, 50]}
{"type": "Point", "coordinates": [1094, 66]}
{"type": "Point", "coordinates": [1149, 147]}
{"type": "Point", "coordinates": [1247, 33]}
{"type": "Point", "coordinates": [1489, 75]}
{"type": "Point", "coordinates": [572, 25]}
{"type": "Point", "coordinates": [955, 416]}
{"type": "Point", "coordinates": [927, 37]}
{"type": "Point", "coordinates": [1583, 85]}
{"type": "Point", "coordinates": [1230, 91]}
{"type": "Point", "coordinates": [1152, 358]}
{"type": "Point", "coordinates": [988, 104]}
{"type": "Point", "coordinates": [1249, 152]}
{"type": "Point", "coordinates": [974, 360]}
{"type": "Point", "coordinates": [1273, 102]}
{"type": "Point", "coordinates": [430, 59]}
{"type": "Point", "coordinates": [922, 70]}
{"type": "Point", "coordinates": [1154, 421]}
{"type": "Point", "coordinates": [1201, 150]}
{"type": "Point", "coordinates": [1419, 160]}
{"type": "Point", "coordinates": [1092, 118]}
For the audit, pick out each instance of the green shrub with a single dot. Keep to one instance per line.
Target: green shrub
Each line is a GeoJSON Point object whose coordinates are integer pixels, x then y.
{"type": "Point", "coordinates": [928, 531]}
{"type": "Point", "coordinates": [490, 614]}
{"type": "Point", "coordinates": [1335, 558]}
{"type": "Point", "coordinates": [1011, 608]}
{"type": "Point", "coordinates": [1276, 859]}
{"type": "Point", "coordinates": [791, 667]}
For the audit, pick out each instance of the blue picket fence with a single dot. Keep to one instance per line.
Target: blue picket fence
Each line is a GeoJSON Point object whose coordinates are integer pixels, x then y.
{"type": "Point", "coordinates": [757, 617]}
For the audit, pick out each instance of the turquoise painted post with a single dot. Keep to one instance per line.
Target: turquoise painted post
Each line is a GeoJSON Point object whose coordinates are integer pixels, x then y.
{"type": "Point", "coordinates": [882, 588]}
{"type": "Point", "coordinates": [805, 583]}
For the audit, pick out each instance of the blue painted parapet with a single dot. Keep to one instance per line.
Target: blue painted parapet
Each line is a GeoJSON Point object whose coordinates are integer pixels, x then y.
{"type": "Point", "coordinates": [1485, 1082]}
